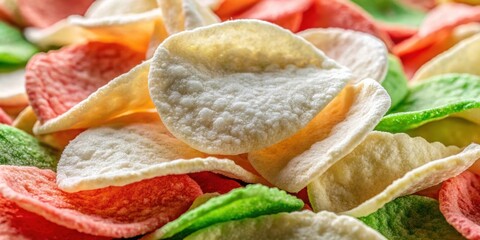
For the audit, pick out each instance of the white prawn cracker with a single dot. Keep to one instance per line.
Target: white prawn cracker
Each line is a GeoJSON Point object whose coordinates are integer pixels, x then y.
{"type": "Point", "coordinates": [129, 22]}
{"type": "Point", "coordinates": [118, 155]}
{"type": "Point", "coordinates": [363, 53]}
{"type": "Point", "coordinates": [295, 225]}
{"type": "Point", "coordinates": [126, 93]}
{"type": "Point", "coordinates": [464, 57]}
{"type": "Point", "coordinates": [179, 15]}
{"type": "Point", "coordinates": [12, 85]}
{"type": "Point", "coordinates": [386, 166]}
{"type": "Point", "coordinates": [240, 86]}
{"type": "Point", "coordinates": [294, 162]}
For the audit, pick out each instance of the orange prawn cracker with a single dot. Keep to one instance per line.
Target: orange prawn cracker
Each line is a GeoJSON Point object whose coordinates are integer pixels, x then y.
{"type": "Point", "coordinates": [112, 212]}
{"type": "Point", "coordinates": [459, 199]}
{"type": "Point", "coordinates": [47, 12]}
{"type": "Point", "coordinates": [17, 223]}
{"type": "Point", "coordinates": [342, 14]}
{"type": "Point", "coordinates": [58, 80]}
{"type": "Point", "coordinates": [285, 13]}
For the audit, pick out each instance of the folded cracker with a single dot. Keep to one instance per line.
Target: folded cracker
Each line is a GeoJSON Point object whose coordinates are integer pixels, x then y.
{"type": "Point", "coordinates": [294, 162]}
{"type": "Point", "coordinates": [364, 54]}
{"type": "Point", "coordinates": [439, 97]}
{"type": "Point", "coordinates": [296, 225]}
{"type": "Point", "coordinates": [58, 80]}
{"type": "Point", "coordinates": [129, 22]}
{"type": "Point", "coordinates": [240, 86]}
{"type": "Point", "coordinates": [18, 223]}
{"type": "Point", "coordinates": [13, 88]}
{"type": "Point", "coordinates": [462, 58]}
{"type": "Point", "coordinates": [395, 82]}
{"type": "Point", "coordinates": [124, 154]}
{"type": "Point", "coordinates": [124, 94]}
{"type": "Point", "coordinates": [383, 167]}
{"type": "Point", "coordinates": [252, 201]}
{"type": "Point", "coordinates": [116, 212]}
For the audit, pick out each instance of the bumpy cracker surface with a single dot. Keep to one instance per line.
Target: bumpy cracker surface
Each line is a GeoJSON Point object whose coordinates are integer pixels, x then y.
{"type": "Point", "coordinates": [383, 167]}
{"type": "Point", "coordinates": [119, 155]}
{"type": "Point", "coordinates": [294, 162]}
{"type": "Point", "coordinates": [113, 212]}
{"type": "Point", "coordinates": [240, 85]}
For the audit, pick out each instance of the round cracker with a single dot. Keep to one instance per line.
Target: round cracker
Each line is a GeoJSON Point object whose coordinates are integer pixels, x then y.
{"type": "Point", "coordinates": [398, 165]}
{"type": "Point", "coordinates": [58, 80]}
{"type": "Point", "coordinates": [227, 92]}
{"type": "Point", "coordinates": [47, 12]}
{"type": "Point", "coordinates": [342, 14]}
{"type": "Point", "coordinates": [459, 199]}
{"type": "Point", "coordinates": [17, 223]}
{"type": "Point", "coordinates": [364, 54]}
{"type": "Point", "coordinates": [294, 162]}
{"type": "Point", "coordinates": [112, 212]}
{"type": "Point", "coordinates": [124, 154]}
{"type": "Point", "coordinates": [462, 58]}
{"type": "Point", "coordinates": [284, 226]}
{"type": "Point", "coordinates": [214, 183]}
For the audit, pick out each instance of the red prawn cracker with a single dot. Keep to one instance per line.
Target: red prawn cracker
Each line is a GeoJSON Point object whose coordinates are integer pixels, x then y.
{"type": "Point", "coordinates": [342, 14]}
{"type": "Point", "coordinates": [4, 118]}
{"type": "Point", "coordinates": [211, 182]}
{"type": "Point", "coordinates": [285, 13]}
{"type": "Point", "coordinates": [440, 21]}
{"type": "Point", "coordinates": [229, 8]}
{"type": "Point", "coordinates": [57, 80]}
{"type": "Point", "coordinates": [44, 13]}
{"type": "Point", "coordinates": [117, 212]}
{"type": "Point", "coordinates": [459, 200]}
{"type": "Point", "coordinates": [17, 223]}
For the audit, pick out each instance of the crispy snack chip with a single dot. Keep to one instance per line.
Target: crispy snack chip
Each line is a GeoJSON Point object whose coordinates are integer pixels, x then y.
{"type": "Point", "coordinates": [15, 51]}
{"type": "Point", "coordinates": [383, 167]}
{"type": "Point", "coordinates": [459, 199]}
{"type": "Point", "coordinates": [395, 82]}
{"type": "Point", "coordinates": [462, 58]}
{"type": "Point", "coordinates": [241, 85]}
{"type": "Point", "coordinates": [58, 80]}
{"type": "Point", "coordinates": [294, 162]}
{"type": "Point", "coordinates": [128, 22]}
{"type": "Point", "coordinates": [249, 202]}
{"type": "Point", "coordinates": [285, 13]}
{"type": "Point", "coordinates": [17, 223]}
{"type": "Point", "coordinates": [120, 155]}
{"type": "Point", "coordinates": [13, 89]}
{"type": "Point", "coordinates": [434, 99]}
{"type": "Point", "coordinates": [127, 93]}
{"type": "Point", "coordinates": [112, 212]}
{"type": "Point", "coordinates": [411, 217]}
{"type": "Point", "coordinates": [342, 14]}
{"type": "Point", "coordinates": [364, 54]}
{"type": "Point", "coordinates": [181, 15]}
{"type": "Point", "coordinates": [47, 12]}
{"type": "Point", "coordinates": [295, 225]}
{"type": "Point", "coordinates": [20, 149]}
